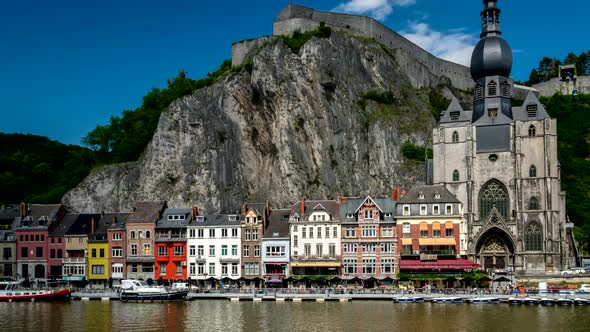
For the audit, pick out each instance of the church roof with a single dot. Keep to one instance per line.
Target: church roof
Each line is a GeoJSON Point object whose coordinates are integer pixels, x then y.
{"type": "Point", "coordinates": [526, 113]}
{"type": "Point", "coordinates": [455, 113]}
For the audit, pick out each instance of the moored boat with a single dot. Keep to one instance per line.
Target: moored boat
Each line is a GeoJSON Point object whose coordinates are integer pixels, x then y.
{"type": "Point", "coordinates": [447, 299]}
{"type": "Point", "coordinates": [580, 301]}
{"type": "Point", "coordinates": [547, 301]}
{"type": "Point", "coordinates": [530, 301]}
{"type": "Point", "coordinates": [408, 299]}
{"type": "Point", "coordinates": [10, 291]}
{"type": "Point", "coordinates": [564, 301]}
{"type": "Point", "coordinates": [515, 300]}
{"type": "Point", "coordinates": [485, 300]}
{"type": "Point", "coordinates": [138, 290]}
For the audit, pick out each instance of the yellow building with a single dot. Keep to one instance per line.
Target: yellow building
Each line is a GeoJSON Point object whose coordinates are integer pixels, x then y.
{"type": "Point", "coordinates": [98, 256]}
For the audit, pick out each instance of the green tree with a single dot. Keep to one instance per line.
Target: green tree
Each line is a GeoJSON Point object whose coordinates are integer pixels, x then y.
{"type": "Point", "coordinates": [548, 68]}
{"type": "Point", "coordinates": [534, 78]}
{"type": "Point", "coordinates": [583, 64]}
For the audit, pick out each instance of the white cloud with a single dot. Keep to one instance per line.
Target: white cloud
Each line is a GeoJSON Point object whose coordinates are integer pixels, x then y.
{"type": "Point", "coordinates": [454, 45]}
{"type": "Point", "coordinates": [378, 9]}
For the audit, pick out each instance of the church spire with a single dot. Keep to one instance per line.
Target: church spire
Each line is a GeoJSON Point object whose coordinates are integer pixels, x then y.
{"type": "Point", "coordinates": [490, 19]}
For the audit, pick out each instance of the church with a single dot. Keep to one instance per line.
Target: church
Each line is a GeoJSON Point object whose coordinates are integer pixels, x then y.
{"type": "Point", "coordinates": [501, 162]}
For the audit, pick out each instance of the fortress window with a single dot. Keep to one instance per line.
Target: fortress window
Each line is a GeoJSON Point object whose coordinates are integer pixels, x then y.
{"type": "Point", "coordinates": [455, 137]}
{"type": "Point", "coordinates": [533, 171]}
{"type": "Point", "coordinates": [533, 238]}
{"type": "Point", "coordinates": [532, 131]}
{"type": "Point", "coordinates": [505, 89]}
{"type": "Point", "coordinates": [531, 110]}
{"type": "Point", "coordinates": [455, 176]}
{"type": "Point", "coordinates": [492, 88]}
{"type": "Point", "coordinates": [534, 203]}
{"type": "Point", "coordinates": [478, 92]}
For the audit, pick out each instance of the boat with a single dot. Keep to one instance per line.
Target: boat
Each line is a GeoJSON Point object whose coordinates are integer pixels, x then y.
{"type": "Point", "coordinates": [11, 291]}
{"type": "Point", "coordinates": [448, 299]}
{"type": "Point", "coordinates": [408, 299]}
{"type": "Point", "coordinates": [530, 301]}
{"type": "Point", "coordinates": [139, 290]}
{"type": "Point", "coordinates": [564, 301]}
{"type": "Point", "coordinates": [515, 300]}
{"type": "Point", "coordinates": [547, 301]}
{"type": "Point", "coordinates": [485, 300]}
{"type": "Point", "coordinates": [580, 301]}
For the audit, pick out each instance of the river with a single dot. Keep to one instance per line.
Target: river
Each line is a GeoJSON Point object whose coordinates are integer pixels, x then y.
{"type": "Point", "coordinates": [223, 315]}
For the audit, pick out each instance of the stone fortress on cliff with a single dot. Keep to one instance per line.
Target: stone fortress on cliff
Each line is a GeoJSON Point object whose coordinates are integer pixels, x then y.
{"type": "Point", "coordinates": [419, 63]}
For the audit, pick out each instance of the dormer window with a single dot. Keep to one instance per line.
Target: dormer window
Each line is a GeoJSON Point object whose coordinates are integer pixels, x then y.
{"type": "Point", "coordinates": [296, 218]}
{"type": "Point", "coordinates": [406, 210]}
{"type": "Point", "coordinates": [436, 196]}
{"type": "Point", "coordinates": [349, 215]}
{"type": "Point", "coordinates": [455, 115]}
{"type": "Point", "coordinates": [200, 218]}
{"type": "Point", "coordinates": [233, 218]}
{"type": "Point", "coordinates": [492, 88]}
{"type": "Point", "coordinates": [421, 195]}
{"type": "Point", "coordinates": [388, 214]}
{"type": "Point", "coordinates": [423, 210]}
{"type": "Point", "coordinates": [531, 110]}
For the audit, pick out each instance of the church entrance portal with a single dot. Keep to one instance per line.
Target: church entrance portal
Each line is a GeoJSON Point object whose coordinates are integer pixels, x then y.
{"type": "Point", "coordinates": [495, 250]}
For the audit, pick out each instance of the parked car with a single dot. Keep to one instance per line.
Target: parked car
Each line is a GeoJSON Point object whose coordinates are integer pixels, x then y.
{"type": "Point", "coordinates": [584, 288]}
{"type": "Point", "coordinates": [573, 270]}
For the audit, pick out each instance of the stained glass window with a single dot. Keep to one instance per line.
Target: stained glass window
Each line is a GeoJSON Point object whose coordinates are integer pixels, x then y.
{"type": "Point", "coordinates": [533, 237]}
{"type": "Point", "coordinates": [533, 203]}
{"type": "Point", "coordinates": [532, 131]}
{"type": "Point", "coordinates": [455, 137]}
{"type": "Point", "coordinates": [493, 194]}
{"type": "Point", "coordinates": [455, 175]}
{"type": "Point", "coordinates": [533, 171]}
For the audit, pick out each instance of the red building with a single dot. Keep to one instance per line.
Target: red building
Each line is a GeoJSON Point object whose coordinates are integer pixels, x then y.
{"type": "Point", "coordinates": [171, 247]}
{"type": "Point", "coordinates": [117, 237]}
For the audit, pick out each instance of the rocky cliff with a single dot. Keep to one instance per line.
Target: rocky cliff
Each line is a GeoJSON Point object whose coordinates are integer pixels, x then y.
{"type": "Point", "coordinates": [299, 123]}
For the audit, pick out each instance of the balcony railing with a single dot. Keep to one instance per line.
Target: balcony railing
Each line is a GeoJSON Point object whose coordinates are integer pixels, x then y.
{"type": "Point", "coordinates": [74, 260]}
{"type": "Point", "coordinates": [117, 275]}
{"type": "Point", "coordinates": [170, 237]}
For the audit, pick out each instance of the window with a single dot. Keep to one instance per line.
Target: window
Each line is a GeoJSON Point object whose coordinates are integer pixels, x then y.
{"type": "Point", "coordinates": [7, 253]}
{"type": "Point", "coordinates": [532, 131]}
{"type": "Point", "coordinates": [234, 269]}
{"type": "Point", "coordinates": [134, 250]}
{"type": "Point", "coordinates": [234, 232]}
{"type": "Point", "coordinates": [492, 88]}
{"type": "Point", "coordinates": [368, 214]}
{"type": "Point", "coordinates": [387, 247]}
{"type": "Point", "coordinates": [147, 249]}
{"type": "Point", "coordinates": [192, 269]}
{"type": "Point", "coordinates": [256, 251]}
{"type": "Point", "coordinates": [423, 210]}
{"type": "Point", "coordinates": [455, 137]}
{"type": "Point", "coordinates": [101, 253]}
{"type": "Point", "coordinates": [406, 210]}
{"type": "Point", "coordinates": [436, 233]}
{"type": "Point", "coordinates": [117, 237]}
{"type": "Point", "coordinates": [247, 235]}
{"type": "Point", "coordinates": [368, 266]}
{"type": "Point", "coordinates": [295, 241]}
{"type": "Point", "coordinates": [51, 253]}
{"type": "Point", "coordinates": [223, 269]}
{"type": "Point", "coordinates": [39, 252]}
{"type": "Point", "coordinates": [456, 175]}
{"type": "Point", "coordinates": [533, 171]}
{"type": "Point", "coordinates": [387, 265]}
{"type": "Point", "coordinates": [492, 112]}
{"type": "Point", "coordinates": [134, 268]}
{"type": "Point", "coordinates": [97, 269]}
{"type": "Point", "coordinates": [295, 228]}
{"type": "Point", "coordinates": [275, 251]}
{"type": "Point", "coordinates": [254, 235]}
{"type": "Point", "coordinates": [307, 250]}
{"type": "Point", "coordinates": [117, 252]}
{"type": "Point", "coordinates": [350, 232]}
{"type": "Point", "coordinates": [117, 269]}
{"type": "Point", "coordinates": [234, 249]}
{"type": "Point", "coordinates": [224, 232]}
{"type": "Point", "coordinates": [369, 231]}
{"type": "Point", "coordinates": [211, 269]}
{"type": "Point", "coordinates": [319, 250]}
{"type": "Point", "coordinates": [147, 234]}
{"type": "Point", "coordinates": [251, 269]}
{"type": "Point", "coordinates": [406, 229]}
{"type": "Point", "coordinates": [319, 232]}
{"type": "Point", "coordinates": [387, 231]}
{"type": "Point", "coordinates": [246, 251]}
{"type": "Point", "coordinates": [59, 240]}
{"type": "Point", "coordinates": [311, 232]}
{"type": "Point", "coordinates": [534, 203]}
{"type": "Point", "coordinates": [435, 209]}
{"type": "Point", "coordinates": [493, 194]}
{"type": "Point", "coordinates": [178, 250]}
{"type": "Point", "coordinates": [212, 232]}
{"type": "Point", "coordinates": [200, 233]}
{"type": "Point", "coordinates": [327, 232]}
{"type": "Point", "coordinates": [192, 233]}
{"type": "Point", "coordinates": [200, 250]}
{"type": "Point", "coordinates": [192, 250]}
{"type": "Point", "coordinates": [132, 234]}
{"type": "Point", "coordinates": [407, 249]}
{"type": "Point", "coordinates": [335, 232]}
{"type": "Point", "coordinates": [533, 237]}
{"type": "Point", "coordinates": [449, 232]}
{"type": "Point", "coordinates": [201, 268]}
{"type": "Point", "coordinates": [224, 250]}
{"type": "Point", "coordinates": [449, 209]}
{"type": "Point", "coordinates": [423, 233]}
{"type": "Point", "coordinates": [211, 250]}
{"type": "Point", "coordinates": [350, 266]}
{"type": "Point", "coordinates": [531, 110]}
{"type": "Point", "coordinates": [332, 250]}
{"type": "Point", "coordinates": [350, 248]}
{"type": "Point", "coordinates": [140, 234]}
{"type": "Point", "coordinates": [478, 92]}
{"type": "Point", "coordinates": [303, 232]}
{"type": "Point", "coordinates": [369, 248]}
{"type": "Point", "coordinates": [505, 89]}
{"type": "Point", "coordinates": [59, 253]}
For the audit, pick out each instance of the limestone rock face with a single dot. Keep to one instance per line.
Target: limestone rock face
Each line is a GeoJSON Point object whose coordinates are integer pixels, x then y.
{"type": "Point", "coordinates": [296, 126]}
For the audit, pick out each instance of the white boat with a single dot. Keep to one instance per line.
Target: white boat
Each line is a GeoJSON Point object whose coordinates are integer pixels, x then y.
{"type": "Point", "coordinates": [564, 301]}
{"type": "Point", "coordinates": [447, 299]}
{"type": "Point", "coordinates": [547, 301]}
{"type": "Point", "coordinates": [485, 300]}
{"type": "Point", "coordinates": [514, 300]}
{"type": "Point", "coordinates": [530, 301]}
{"type": "Point", "coordinates": [138, 290]}
{"type": "Point", "coordinates": [580, 301]}
{"type": "Point", "coordinates": [408, 299]}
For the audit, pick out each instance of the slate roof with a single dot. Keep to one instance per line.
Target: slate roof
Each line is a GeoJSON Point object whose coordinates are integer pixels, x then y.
{"type": "Point", "coordinates": [520, 113]}
{"type": "Point", "coordinates": [211, 220]}
{"type": "Point", "coordinates": [278, 224]}
{"type": "Point", "coordinates": [83, 224]}
{"type": "Point", "coordinates": [9, 212]}
{"type": "Point", "coordinates": [146, 212]}
{"type": "Point", "coordinates": [258, 207]}
{"type": "Point", "coordinates": [165, 223]}
{"type": "Point", "coordinates": [115, 221]}
{"type": "Point", "coordinates": [331, 207]}
{"type": "Point", "coordinates": [60, 229]}
{"type": "Point", "coordinates": [413, 195]}
{"type": "Point", "coordinates": [36, 211]}
{"type": "Point", "coordinates": [455, 106]}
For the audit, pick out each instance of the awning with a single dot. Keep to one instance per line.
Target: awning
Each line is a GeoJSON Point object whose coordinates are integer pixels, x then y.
{"type": "Point", "coordinates": [312, 264]}
{"type": "Point", "coordinates": [451, 264]}
{"type": "Point", "coordinates": [406, 242]}
{"type": "Point", "coordinates": [423, 226]}
{"type": "Point", "coordinates": [449, 224]}
{"type": "Point", "coordinates": [436, 226]}
{"type": "Point", "coordinates": [439, 241]}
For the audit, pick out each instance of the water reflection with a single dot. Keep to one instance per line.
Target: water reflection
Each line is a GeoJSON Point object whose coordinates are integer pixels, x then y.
{"type": "Point", "coordinates": [223, 315]}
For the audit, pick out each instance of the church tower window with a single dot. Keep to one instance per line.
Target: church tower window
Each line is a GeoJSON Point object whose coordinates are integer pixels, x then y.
{"type": "Point", "coordinates": [533, 171]}
{"type": "Point", "coordinates": [492, 88]}
{"type": "Point", "coordinates": [493, 195]}
{"type": "Point", "coordinates": [532, 131]}
{"type": "Point", "coordinates": [531, 110]}
{"type": "Point", "coordinates": [455, 137]}
{"type": "Point", "coordinates": [533, 237]}
{"type": "Point", "coordinates": [455, 175]}
{"type": "Point", "coordinates": [505, 89]}
{"type": "Point", "coordinates": [478, 92]}
{"type": "Point", "coordinates": [534, 203]}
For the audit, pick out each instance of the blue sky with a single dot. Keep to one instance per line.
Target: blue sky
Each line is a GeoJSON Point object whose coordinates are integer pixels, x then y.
{"type": "Point", "coordinates": [66, 66]}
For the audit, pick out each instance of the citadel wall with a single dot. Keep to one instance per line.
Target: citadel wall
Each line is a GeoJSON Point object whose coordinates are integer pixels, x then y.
{"type": "Point", "coordinates": [553, 86]}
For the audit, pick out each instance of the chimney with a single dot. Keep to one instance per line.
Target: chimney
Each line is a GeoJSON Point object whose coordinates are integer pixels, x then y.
{"type": "Point", "coordinates": [341, 200]}
{"type": "Point", "coordinates": [114, 220]}
{"type": "Point", "coordinates": [92, 225]}
{"type": "Point", "coordinates": [244, 208]}
{"type": "Point", "coordinates": [194, 213]}
{"type": "Point", "coordinates": [302, 206]}
{"type": "Point", "coordinates": [403, 194]}
{"type": "Point", "coordinates": [395, 193]}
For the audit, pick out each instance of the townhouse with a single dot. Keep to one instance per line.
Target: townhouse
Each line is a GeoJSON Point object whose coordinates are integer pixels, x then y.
{"type": "Point", "coordinates": [117, 244]}
{"type": "Point", "coordinates": [276, 248]}
{"type": "Point", "coordinates": [57, 246]}
{"type": "Point", "coordinates": [253, 223]}
{"type": "Point", "coordinates": [75, 261]}
{"type": "Point", "coordinates": [314, 227]}
{"type": "Point", "coordinates": [171, 245]}
{"type": "Point", "coordinates": [98, 253]}
{"type": "Point", "coordinates": [9, 219]}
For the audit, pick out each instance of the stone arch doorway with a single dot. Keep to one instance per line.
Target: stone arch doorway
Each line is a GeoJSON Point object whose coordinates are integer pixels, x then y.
{"type": "Point", "coordinates": [495, 250]}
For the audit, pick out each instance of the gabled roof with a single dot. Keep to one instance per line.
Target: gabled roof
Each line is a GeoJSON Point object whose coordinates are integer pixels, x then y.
{"type": "Point", "coordinates": [146, 212]}
{"type": "Point", "coordinates": [520, 113]}
{"type": "Point", "coordinates": [457, 112]}
{"type": "Point", "coordinates": [83, 224]}
{"type": "Point", "coordinates": [36, 212]}
{"type": "Point", "coordinates": [429, 192]}
{"type": "Point", "coordinates": [61, 228]}
{"type": "Point", "coordinates": [278, 224]}
{"type": "Point", "coordinates": [115, 221]}
{"type": "Point", "coordinates": [258, 207]}
{"type": "Point", "coordinates": [164, 222]}
{"type": "Point", "coordinates": [351, 206]}
{"type": "Point", "coordinates": [330, 206]}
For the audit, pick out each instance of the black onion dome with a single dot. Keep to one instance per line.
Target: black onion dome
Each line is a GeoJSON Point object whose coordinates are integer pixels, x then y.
{"type": "Point", "coordinates": [492, 56]}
